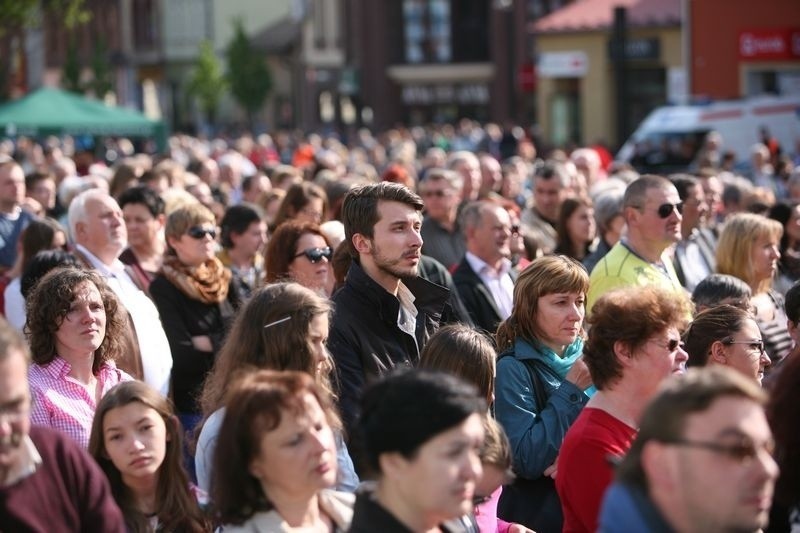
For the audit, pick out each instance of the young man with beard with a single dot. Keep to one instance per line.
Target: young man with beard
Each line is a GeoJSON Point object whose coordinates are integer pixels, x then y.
{"type": "Point", "coordinates": [47, 482]}
{"type": "Point", "coordinates": [385, 312]}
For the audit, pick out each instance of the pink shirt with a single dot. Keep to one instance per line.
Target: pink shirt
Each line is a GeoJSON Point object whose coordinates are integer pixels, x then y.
{"type": "Point", "coordinates": [61, 403]}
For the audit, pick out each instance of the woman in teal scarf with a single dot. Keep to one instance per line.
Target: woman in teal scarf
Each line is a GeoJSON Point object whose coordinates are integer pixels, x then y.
{"type": "Point", "coordinates": [542, 383]}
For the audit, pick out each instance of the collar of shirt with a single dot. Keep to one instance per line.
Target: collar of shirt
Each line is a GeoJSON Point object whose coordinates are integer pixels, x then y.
{"type": "Point", "coordinates": [482, 267]}
{"type": "Point", "coordinates": [31, 459]}
{"type": "Point", "coordinates": [115, 269]}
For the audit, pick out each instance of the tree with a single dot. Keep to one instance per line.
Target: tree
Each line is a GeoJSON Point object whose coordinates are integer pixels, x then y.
{"type": "Point", "coordinates": [16, 14]}
{"type": "Point", "coordinates": [71, 77]}
{"type": "Point", "coordinates": [102, 83]}
{"type": "Point", "coordinates": [248, 73]}
{"type": "Point", "coordinates": [207, 83]}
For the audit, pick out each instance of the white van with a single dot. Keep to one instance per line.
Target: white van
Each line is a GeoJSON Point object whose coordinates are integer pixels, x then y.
{"type": "Point", "coordinates": [669, 139]}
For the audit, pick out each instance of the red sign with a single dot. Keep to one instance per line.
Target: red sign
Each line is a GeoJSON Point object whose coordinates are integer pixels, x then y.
{"type": "Point", "coordinates": [527, 77]}
{"type": "Point", "coordinates": [769, 44]}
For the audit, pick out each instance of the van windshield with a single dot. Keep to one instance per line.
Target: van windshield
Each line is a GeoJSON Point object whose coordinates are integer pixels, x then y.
{"type": "Point", "coordinates": [666, 152]}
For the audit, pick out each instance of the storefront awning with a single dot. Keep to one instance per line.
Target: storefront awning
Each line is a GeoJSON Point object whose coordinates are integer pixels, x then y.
{"type": "Point", "coordinates": [592, 15]}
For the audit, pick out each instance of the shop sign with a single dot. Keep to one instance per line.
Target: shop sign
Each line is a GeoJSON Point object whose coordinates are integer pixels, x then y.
{"type": "Point", "coordinates": [641, 49]}
{"type": "Point", "coordinates": [572, 64]}
{"type": "Point", "coordinates": [769, 44]}
{"type": "Point", "coordinates": [468, 93]}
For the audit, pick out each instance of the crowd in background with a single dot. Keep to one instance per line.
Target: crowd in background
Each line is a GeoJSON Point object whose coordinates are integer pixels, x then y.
{"type": "Point", "coordinates": [177, 309]}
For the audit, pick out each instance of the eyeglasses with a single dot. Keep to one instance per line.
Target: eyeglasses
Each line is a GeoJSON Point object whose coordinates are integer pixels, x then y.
{"type": "Point", "coordinates": [741, 452]}
{"type": "Point", "coordinates": [315, 255]}
{"type": "Point", "coordinates": [199, 232]}
{"type": "Point", "coordinates": [665, 210]}
{"type": "Point", "coordinates": [754, 345]}
{"type": "Point", "coordinates": [671, 346]}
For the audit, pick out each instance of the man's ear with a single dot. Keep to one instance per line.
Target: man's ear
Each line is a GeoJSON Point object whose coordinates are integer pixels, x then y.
{"type": "Point", "coordinates": [80, 230]}
{"type": "Point", "coordinates": [362, 243]}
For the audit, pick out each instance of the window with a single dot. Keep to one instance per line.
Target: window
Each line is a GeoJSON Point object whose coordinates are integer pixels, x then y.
{"type": "Point", "coordinates": [427, 31]}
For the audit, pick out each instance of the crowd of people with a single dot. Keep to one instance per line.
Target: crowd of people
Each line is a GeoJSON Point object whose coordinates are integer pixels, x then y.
{"type": "Point", "coordinates": [431, 330]}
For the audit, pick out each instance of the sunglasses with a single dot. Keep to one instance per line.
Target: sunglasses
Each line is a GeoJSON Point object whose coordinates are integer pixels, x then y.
{"type": "Point", "coordinates": [198, 232]}
{"type": "Point", "coordinates": [665, 210]}
{"type": "Point", "coordinates": [670, 346]}
{"type": "Point", "coordinates": [315, 255]}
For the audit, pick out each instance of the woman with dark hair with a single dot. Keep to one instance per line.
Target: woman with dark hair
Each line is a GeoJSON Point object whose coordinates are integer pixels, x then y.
{"type": "Point", "coordinates": [788, 214]}
{"type": "Point", "coordinates": [304, 202]}
{"type": "Point", "coordinates": [137, 441]}
{"type": "Point", "coordinates": [729, 336]}
{"type": "Point", "coordinates": [299, 251]}
{"type": "Point", "coordinates": [275, 462]}
{"type": "Point", "coordinates": [634, 344]}
{"type": "Point", "coordinates": [783, 412]}
{"type": "Point", "coordinates": [284, 326]}
{"type": "Point", "coordinates": [143, 212]}
{"type": "Point", "coordinates": [576, 229]}
{"type": "Point", "coordinates": [421, 433]}
{"type": "Point", "coordinates": [196, 299]}
{"type": "Point", "coordinates": [40, 234]}
{"type": "Point", "coordinates": [541, 379]}
{"type": "Point", "coordinates": [74, 328]}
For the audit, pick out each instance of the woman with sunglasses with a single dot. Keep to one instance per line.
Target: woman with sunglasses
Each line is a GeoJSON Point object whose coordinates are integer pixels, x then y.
{"type": "Point", "coordinates": [634, 344]}
{"type": "Point", "coordinates": [729, 336]}
{"type": "Point", "coordinates": [748, 249]}
{"type": "Point", "coordinates": [196, 299]}
{"type": "Point", "coordinates": [299, 251]}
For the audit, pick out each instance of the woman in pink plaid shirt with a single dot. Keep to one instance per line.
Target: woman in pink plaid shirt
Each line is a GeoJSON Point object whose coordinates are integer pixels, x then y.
{"type": "Point", "coordinates": [74, 329]}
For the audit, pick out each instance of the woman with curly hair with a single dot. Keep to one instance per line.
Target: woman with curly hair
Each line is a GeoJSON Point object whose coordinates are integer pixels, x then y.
{"type": "Point", "coordinates": [284, 326]}
{"type": "Point", "coordinates": [74, 326]}
{"type": "Point", "coordinates": [137, 441]}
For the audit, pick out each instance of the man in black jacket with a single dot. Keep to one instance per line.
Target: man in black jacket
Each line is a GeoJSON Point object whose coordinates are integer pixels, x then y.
{"type": "Point", "coordinates": [384, 312]}
{"type": "Point", "coordinates": [485, 278]}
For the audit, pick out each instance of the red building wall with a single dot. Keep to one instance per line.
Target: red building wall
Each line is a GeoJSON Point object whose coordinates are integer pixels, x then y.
{"type": "Point", "coordinates": [715, 29]}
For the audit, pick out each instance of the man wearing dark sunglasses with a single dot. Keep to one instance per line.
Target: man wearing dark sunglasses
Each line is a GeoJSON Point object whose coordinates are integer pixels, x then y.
{"type": "Point", "coordinates": [702, 460]}
{"type": "Point", "coordinates": [653, 213]}
{"type": "Point", "coordinates": [385, 312]}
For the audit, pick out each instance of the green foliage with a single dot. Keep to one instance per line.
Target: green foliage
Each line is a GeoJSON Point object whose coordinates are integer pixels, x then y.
{"type": "Point", "coordinates": [102, 83]}
{"type": "Point", "coordinates": [249, 76]}
{"type": "Point", "coordinates": [18, 14]}
{"type": "Point", "coordinates": [207, 83]}
{"type": "Point", "coordinates": [71, 78]}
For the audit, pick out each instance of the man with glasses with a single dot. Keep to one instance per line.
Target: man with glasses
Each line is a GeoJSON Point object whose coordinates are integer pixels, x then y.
{"type": "Point", "coordinates": [98, 231]}
{"type": "Point", "coordinates": [47, 482]}
{"type": "Point", "coordinates": [702, 460]}
{"type": "Point", "coordinates": [653, 213]}
{"type": "Point", "coordinates": [443, 240]}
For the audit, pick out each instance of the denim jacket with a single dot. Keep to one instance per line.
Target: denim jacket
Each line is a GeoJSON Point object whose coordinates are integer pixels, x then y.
{"type": "Point", "coordinates": [535, 432]}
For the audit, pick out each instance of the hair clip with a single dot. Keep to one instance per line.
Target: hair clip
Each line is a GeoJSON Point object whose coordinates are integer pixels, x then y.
{"type": "Point", "coordinates": [280, 320]}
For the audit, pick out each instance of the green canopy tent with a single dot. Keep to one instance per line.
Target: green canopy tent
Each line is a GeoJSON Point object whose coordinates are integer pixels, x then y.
{"type": "Point", "coordinates": [55, 112]}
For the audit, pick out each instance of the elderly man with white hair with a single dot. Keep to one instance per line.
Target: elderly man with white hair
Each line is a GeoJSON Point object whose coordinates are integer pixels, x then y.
{"type": "Point", "coordinates": [98, 231]}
